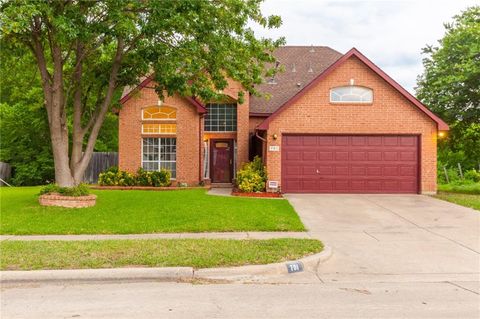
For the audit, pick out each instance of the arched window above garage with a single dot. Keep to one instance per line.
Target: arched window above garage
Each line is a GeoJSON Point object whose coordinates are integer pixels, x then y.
{"type": "Point", "coordinates": [351, 94]}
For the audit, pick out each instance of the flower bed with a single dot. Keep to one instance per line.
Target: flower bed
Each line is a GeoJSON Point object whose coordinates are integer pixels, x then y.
{"type": "Point", "coordinates": [148, 188]}
{"type": "Point", "coordinates": [236, 192]}
{"type": "Point", "coordinates": [54, 199]}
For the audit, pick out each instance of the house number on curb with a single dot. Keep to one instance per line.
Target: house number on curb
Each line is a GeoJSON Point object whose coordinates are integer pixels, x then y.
{"type": "Point", "coordinates": [295, 266]}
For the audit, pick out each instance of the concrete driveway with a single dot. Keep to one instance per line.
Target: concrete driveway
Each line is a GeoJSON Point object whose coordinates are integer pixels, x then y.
{"type": "Point", "coordinates": [394, 237]}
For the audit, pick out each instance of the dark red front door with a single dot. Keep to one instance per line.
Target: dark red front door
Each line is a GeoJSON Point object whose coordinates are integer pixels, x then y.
{"type": "Point", "coordinates": [350, 164]}
{"type": "Point", "coordinates": [221, 166]}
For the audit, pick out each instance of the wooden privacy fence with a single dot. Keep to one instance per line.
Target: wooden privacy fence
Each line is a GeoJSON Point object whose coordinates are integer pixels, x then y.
{"type": "Point", "coordinates": [100, 162]}
{"type": "Point", "coordinates": [5, 172]}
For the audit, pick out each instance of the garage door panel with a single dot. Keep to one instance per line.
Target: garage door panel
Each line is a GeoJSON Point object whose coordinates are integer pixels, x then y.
{"type": "Point", "coordinates": [309, 156]}
{"type": "Point", "coordinates": [341, 156]}
{"type": "Point", "coordinates": [350, 164]}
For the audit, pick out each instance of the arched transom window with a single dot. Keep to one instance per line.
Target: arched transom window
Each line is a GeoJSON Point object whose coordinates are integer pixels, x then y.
{"type": "Point", "coordinates": [159, 120]}
{"type": "Point", "coordinates": [159, 113]}
{"type": "Point", "coordinates": [351, 94]}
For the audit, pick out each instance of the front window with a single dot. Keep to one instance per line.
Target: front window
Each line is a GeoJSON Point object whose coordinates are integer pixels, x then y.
{"type": "Point", "coordinates": [221, 117]}
{"type": "Point", "coordinates": [158, 153]}
{"type": "Point", "coordinates": [351, 94]}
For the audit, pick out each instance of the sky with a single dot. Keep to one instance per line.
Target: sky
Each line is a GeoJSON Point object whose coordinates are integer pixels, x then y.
{"type": "Point", "coordinates": [390, 33]}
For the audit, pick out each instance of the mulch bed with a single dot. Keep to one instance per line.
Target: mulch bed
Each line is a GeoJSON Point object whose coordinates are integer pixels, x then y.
{"type": "Point", "coordinates": [236, 192]}
{"type": "Point", "coordinates": [148, 188]}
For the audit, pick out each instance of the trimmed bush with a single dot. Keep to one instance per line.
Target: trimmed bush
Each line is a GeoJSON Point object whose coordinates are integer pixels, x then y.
{"type": "Point", "coordinates": [80, 190]}
{"type": "Point", "coordinates": [252, 177]}
{"type": "Point", "coordinates": [157, 178]}
{"type": "Point", "coordinates": [115, 177]}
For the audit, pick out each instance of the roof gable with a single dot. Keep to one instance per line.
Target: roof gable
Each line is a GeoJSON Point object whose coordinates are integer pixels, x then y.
{"type": "Point", "coordinates": [441, 125]}
{"type": "Point", "coordinates": [128, 92]}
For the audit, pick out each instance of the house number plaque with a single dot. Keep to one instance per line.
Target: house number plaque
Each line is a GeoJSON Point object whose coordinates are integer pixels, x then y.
{"type": "Point", "coordinates": [296, 266]}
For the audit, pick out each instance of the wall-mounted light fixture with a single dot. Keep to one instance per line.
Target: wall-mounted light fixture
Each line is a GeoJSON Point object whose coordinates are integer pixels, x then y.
{"type": "Point", "coordinates": [160, 102]}
{"type": "Point", "coordinates": [274, 136]}
{"type": "Point", "coordinates": [442, 134]}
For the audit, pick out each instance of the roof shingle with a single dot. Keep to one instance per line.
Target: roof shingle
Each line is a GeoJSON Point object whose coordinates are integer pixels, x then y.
{"type": "Point", "coordinates": [301, 65]}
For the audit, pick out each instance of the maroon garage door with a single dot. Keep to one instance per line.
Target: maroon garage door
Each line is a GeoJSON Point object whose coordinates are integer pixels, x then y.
{"type": "Point", "coordinates": [349, 164]}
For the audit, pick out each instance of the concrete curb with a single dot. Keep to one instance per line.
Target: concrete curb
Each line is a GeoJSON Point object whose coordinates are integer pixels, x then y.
{"type": "Point", "coordinates": [176, 274]}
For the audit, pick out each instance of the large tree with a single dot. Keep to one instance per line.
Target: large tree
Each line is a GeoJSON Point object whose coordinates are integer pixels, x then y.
{"type": "Point", "coordinates": [450, 86]}
{"type": "Point", "coordinates": [86, 51]}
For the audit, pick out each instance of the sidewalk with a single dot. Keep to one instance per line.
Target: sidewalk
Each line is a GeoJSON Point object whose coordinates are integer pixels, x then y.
{"type": "Point", "coordinates": [217, 235]}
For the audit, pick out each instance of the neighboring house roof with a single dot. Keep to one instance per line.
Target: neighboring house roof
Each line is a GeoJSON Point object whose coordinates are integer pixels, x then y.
{"type": "Point", "coordinates": [301, 65]}
{"type": "Point", "coordinates": [441, 125]}
{"type": "Point", "coordinates": [129, 91]}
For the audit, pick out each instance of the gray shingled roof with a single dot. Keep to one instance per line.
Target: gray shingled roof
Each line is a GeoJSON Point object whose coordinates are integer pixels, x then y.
{"type": "Point", "coordinates": [301, 65]}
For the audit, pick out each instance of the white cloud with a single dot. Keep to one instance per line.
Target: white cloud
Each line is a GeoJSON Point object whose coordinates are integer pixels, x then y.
{"type": "Point", "coordinates": [390, 33]}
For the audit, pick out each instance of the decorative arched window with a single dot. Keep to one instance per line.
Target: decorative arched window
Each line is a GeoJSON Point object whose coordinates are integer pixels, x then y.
{"type": "Point", "coordinates": [351, 94]}
{"type": "Point", "coordinates": [159, 142]}
{"type": "Point", "coordinates": [159, 113]}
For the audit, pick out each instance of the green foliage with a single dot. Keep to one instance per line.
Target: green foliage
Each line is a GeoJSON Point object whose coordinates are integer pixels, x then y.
{"type": "Point", "coordinates": [450, 86]}
{"type": "Point", "coordinates": [115, 177]}
{"type": "Point", "coordinates": [95, 48]}
{"type": "Point", "coordinates": [252, 177]}
{"type": "Point", "coordinates": [472, 175]}
{"type": "Point", "coordinates": [79, 190]}
{"type": "Point", "coordinates": [158, 178]}
{"type": "Point", "coordinates": [25, 138]}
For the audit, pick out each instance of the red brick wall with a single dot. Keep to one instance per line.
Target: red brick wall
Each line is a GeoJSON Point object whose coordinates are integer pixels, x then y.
{"type": "Point", "coordinates": [188, 135]}
{"type": "Point", "coordinates": [390, 113]}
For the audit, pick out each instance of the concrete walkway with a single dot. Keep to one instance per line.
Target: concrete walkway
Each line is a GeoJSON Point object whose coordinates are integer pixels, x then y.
{"type": "Point", "coordinates": [226, 235]}
{"type": "Point", "coordinates": [220, 191]}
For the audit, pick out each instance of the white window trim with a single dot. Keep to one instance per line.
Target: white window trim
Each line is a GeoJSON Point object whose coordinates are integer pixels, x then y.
{"type": "Point", "coordinates": [141, 157]}
{"type": "Point", "coordinates": [350, 102]}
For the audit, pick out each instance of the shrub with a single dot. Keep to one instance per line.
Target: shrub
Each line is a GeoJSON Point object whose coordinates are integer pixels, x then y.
{"type": "Point", "coordinates": [79, 190]}
{"type": "Point", "coordinates": [452, 173]}
{"type": "Point", "coordinates": [472, 175]}
{"type": "Point", "coordinates": [252, 177]}
{"type": "Point", "coordinates": [157, 178]}
{"type": "Point", "coordinates": [114, 177]}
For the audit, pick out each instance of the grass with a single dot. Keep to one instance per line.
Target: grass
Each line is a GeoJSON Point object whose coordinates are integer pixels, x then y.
{"type": "Point", "coordinates": [468, 200]}
{"type": "Point", "coordinates": [198, 253]}
{"type": "Point", "coordinates": [127, 212]}
{"type": "Point", "coordinates": [463, 188]}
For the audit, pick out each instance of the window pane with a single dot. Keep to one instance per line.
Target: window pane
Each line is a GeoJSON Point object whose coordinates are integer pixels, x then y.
{"type": "Point", "coordinates": [160, 153]}
{"type": "Point", "coordinates": [356, 94]}
{"type": "Point", "coordinates": [159, 113]}
{"type": "Point", "coordinates": [221, 117]}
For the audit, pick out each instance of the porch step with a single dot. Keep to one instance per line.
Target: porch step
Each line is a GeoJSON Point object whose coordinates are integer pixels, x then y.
{"type": "Point", "coordinates": [222, 185]}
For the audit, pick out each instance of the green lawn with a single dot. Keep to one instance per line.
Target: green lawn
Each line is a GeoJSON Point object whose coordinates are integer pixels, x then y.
{"type": "Point", "coordinates": [463, 188]}
{"type": "Point", "coordinates": [198, 253]}
{"type": "Point", "coordinates": [126, 212]}
{"type": "Point", "coordinates": [468, 200]}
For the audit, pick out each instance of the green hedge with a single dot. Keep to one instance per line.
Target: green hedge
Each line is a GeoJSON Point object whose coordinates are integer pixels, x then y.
{"type": "Point", "coordinates": [80, 190]}
{"type": "Point", "coordinates": [115, 177]}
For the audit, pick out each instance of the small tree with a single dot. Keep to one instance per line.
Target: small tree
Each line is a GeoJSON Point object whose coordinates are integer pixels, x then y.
{"type": "Point", "coordinates": [87, 51]}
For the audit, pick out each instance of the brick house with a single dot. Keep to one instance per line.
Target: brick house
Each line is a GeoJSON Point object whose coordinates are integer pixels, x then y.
{"type": "Point", "coordinates": [333, 124]}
